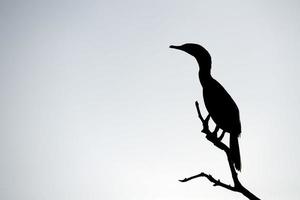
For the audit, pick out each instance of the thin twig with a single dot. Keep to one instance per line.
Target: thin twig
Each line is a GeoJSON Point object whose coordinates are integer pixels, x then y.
{"type": "Point", "coordinates": [211, 179]}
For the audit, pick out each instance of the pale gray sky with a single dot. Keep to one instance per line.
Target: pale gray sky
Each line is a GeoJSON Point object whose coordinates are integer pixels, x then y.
{"type": "Point", "coordinates": [94, 105]}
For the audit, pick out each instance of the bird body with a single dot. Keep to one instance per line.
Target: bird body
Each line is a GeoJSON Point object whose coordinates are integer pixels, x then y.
{"type": "Point", "coordinates": [221, 107]}
{"type": "Point", "coordinates": [225, 114]}
{"type": "Point", "coordinates": [219, 104]}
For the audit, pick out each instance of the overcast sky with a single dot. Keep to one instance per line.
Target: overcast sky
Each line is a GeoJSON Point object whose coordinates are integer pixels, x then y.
{"type": "Point", "coordinates": [94, 105]}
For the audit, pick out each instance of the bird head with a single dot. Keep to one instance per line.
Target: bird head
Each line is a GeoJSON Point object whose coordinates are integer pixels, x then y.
{"type": "Point", "coordinates": [196, 50]}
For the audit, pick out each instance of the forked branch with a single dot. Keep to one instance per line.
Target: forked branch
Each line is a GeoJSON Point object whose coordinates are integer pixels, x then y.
{"type": "Point", "coordinates": [237, 187]}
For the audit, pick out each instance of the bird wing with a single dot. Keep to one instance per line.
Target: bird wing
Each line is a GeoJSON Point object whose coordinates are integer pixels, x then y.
{"type": "Point", "coordinates": [222, 107]}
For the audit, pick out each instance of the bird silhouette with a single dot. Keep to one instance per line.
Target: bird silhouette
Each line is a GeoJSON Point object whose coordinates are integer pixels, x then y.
{"type": "Point", "coordinates": [219, 104]}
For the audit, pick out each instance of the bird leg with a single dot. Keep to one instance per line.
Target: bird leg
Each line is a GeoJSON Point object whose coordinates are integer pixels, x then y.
{"type": "Point", "coordinates": [207, 118]}
{"type": "Point", "coordinates": [215, 132]}
{"type": "Point", "coordinates": [221, 136]}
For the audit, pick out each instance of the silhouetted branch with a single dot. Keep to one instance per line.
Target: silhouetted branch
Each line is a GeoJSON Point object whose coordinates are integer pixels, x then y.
{"type": "Point", "coordinates": [211, 179]}
{"type": "Point", "coordinates": [238, 187]}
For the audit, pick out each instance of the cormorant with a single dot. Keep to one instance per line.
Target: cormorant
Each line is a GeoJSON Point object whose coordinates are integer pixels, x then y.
{"type": "Point", "coordinates": [218, 102]}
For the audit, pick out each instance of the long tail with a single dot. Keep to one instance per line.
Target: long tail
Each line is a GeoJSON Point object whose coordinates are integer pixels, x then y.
{"type": "Point", "coordinates": [235, 151]}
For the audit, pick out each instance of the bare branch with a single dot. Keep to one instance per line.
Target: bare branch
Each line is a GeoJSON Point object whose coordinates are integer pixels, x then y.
{"type": "Point", "coordinates": [238, 187]}
{"type": "Point", "coordinates": [211, 179]}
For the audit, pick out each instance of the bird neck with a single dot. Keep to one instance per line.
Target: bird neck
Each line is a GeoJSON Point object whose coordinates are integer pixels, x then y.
{"type": "Point", "coordinates": [204, 74]}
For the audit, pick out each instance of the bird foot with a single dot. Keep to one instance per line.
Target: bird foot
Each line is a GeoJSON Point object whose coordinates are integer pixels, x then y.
{"type": "Point", "coordinates": [213, 134]}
